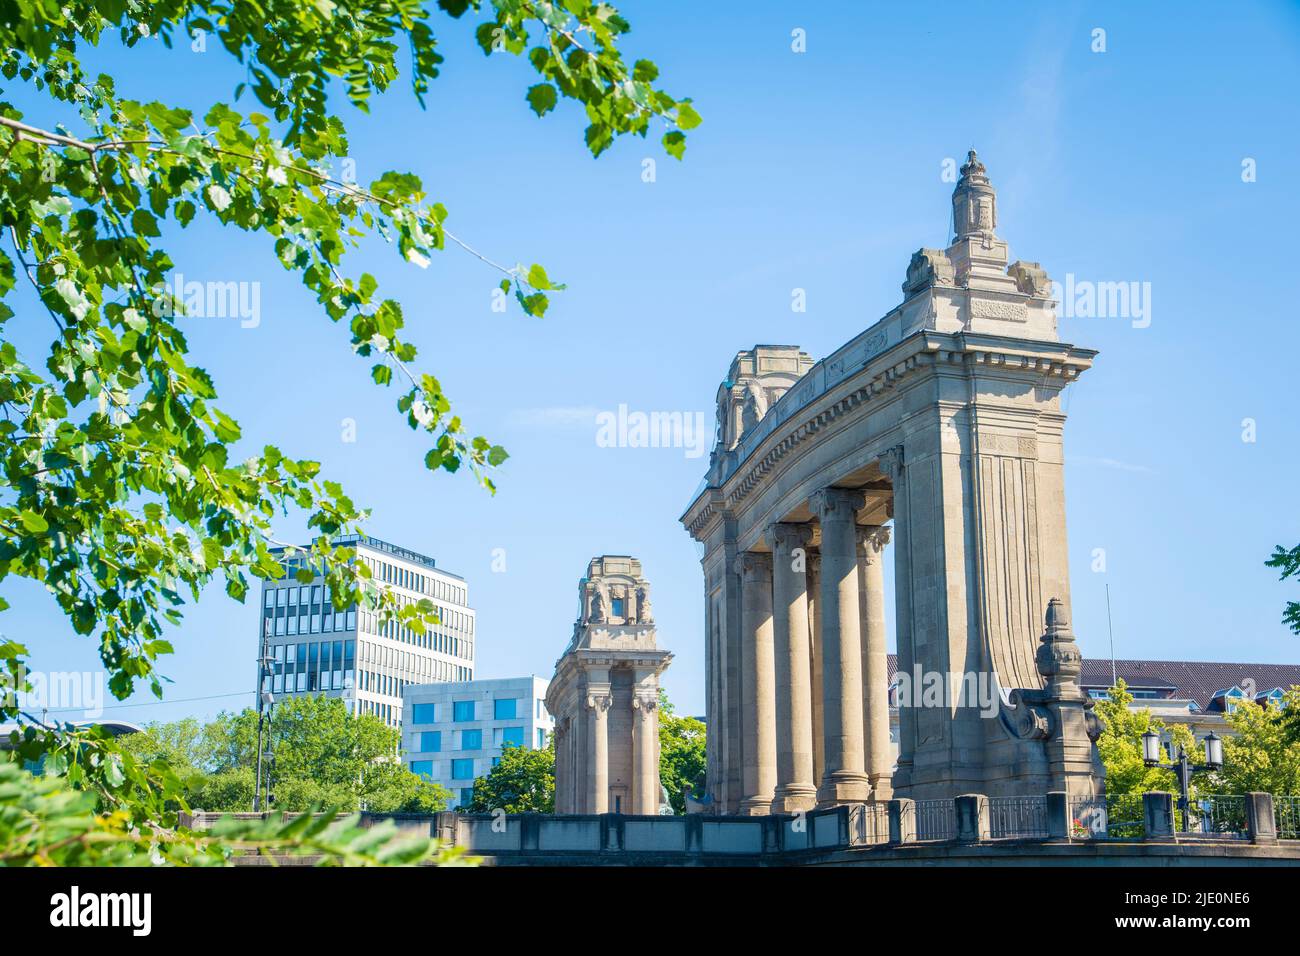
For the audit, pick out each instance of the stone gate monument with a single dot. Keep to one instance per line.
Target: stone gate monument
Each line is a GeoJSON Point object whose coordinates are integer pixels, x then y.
{"type": "Point", "coordinates": [605, 696]}
{"type": "Point", "coordinates": [934, 435]}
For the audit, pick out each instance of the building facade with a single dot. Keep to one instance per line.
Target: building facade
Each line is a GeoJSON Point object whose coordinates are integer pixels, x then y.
{"type": "Point", "coordinates": [455, 732]}
{"type": "Point", "coordinates": [935, 438]}
{"type": "Point", "coordinates": [605, 696]}
{"type": "Point", "coordinates": [318, 650]}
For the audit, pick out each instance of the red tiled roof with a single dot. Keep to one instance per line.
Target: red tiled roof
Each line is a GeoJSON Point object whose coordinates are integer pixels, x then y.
{"type": "Point", "coordinates": [1194, 680]}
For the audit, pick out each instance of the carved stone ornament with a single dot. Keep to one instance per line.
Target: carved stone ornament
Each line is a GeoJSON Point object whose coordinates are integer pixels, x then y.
{"type": "Point", "coordinates": [836, 502]}
{"type": "Point", "coordinates": [929, 267]}
{"type": "Point", "coordinates": [1058, 658]}
{"type": "Point", "coordinates": [1031, 278]}
{"type": "Point", "coordinates": [756, 565]}
{"type": "Point", "coordinates": [872, 539]}
{"type": "Point", "coordinates": [1025, 720]}
{"type": "Point", "coordinates": [891, 462]}
{"type": "Point", "coordinates": [644, 612]}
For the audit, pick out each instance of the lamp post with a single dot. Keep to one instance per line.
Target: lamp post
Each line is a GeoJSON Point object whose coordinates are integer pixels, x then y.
{"type": "Point", "coordinates": [1183, 766]}
{"type": "Point", "coordinates": [265, 703]}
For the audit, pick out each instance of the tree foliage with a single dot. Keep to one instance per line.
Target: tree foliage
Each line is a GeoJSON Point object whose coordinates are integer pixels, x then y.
{"type": "Point", "coordinates": [324, 756]}
{"type": "Point", "coordinates": [1260, 755]}
{"type": "Point", "coordinates": [682, 762]}
{"type": "Point", "coordinates": [523, 781]}
{"type": "Point", "coordinates": [45, 822]}
{"type": "Point", "coordinates": [123, 497]}
{"type": "Point", "coordinates": [1120, 745]}
{"type": "Point", "coordinates": [123, 493]}
{"type": "Point", "coordinates": [1288, 562]}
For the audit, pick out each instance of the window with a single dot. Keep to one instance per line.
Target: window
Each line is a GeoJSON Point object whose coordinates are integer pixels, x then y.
{"type": "Point", "coordinates": [431, 741]}
{"type": "Point", "coordinates": [541, 739]}
{"type": "Point", "coordinates": [471, 740]}
{"type": "Point", "coordinates": [466, 796]}
{"type": "Point", "coordinates": [462, 710]}
{"type": "Point", "coordinates": [268, 598]}
{"type": "Point", "coordinates": [422, 768]}
{"type": "Point", "coordinates": [462, 769]}
{"type": "Point", "coordinates": [425, 714]}
{"type": "Point", "coordinates": [616, 607]}
{"type": "Point", "coordinates": [503, 709]}
{"type": "Point", "coordinates": [513, 735]}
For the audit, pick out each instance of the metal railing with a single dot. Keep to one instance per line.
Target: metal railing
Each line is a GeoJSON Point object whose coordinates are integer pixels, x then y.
{"type": "Point", "coordinates": [1118, 817]}
{"type": "Point", "coordinates": [1018, 818]}
{"type": "Point", "coordinates": [1286, 812]}
{"type": "Point", "coordinates": [935, 820]}
{"type": "Point", "coordinates": [1219, 816]}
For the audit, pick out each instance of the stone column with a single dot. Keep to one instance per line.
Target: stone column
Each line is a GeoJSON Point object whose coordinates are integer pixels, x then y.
{"type": "Point", "coordinates": [878, 759]}
{"type": "Point", "coordinates": [814, 577]}
{"type": "Point", "coordinates": [598, 704]}
{"type": "Point", "coordinates": [892, 465]}
{"type": "Point", "coordinates": [844, 779]}
{"type": "Point", "coordinates": [795, 789]}
{"type": "Point", "coordinates": [561, 769]}
{"type": "Point", "coordinates": [645, 752]}
{"type": "Point", "coordinates": [758, 691]}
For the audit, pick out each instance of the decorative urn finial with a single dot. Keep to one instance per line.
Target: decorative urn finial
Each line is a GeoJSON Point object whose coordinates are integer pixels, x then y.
{"type": "Point", "coordinates": [974, 202]}
{"type": "Point", "coordinates": [1058, 657]}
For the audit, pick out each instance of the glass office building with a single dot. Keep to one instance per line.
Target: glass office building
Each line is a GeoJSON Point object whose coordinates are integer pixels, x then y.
{"type": "Point", "coordinates": [347, 654]}
{"type": "Point", "coordinates": [454, 733]}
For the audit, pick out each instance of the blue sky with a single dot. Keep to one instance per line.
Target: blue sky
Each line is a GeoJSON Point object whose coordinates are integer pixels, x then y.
{"type": "Point", "coordinates": [821, 171]}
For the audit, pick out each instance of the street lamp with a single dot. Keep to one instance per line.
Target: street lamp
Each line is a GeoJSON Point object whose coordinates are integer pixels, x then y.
{"type": "Point", "coordinates": [1183, 766]}
{"type": "Point", "coordinates": [265, 701]}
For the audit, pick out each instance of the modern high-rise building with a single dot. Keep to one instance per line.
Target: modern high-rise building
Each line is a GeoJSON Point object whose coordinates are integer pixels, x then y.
{"type": "Point", "coordinates": [347, 654]}
{"type": "Point", "coordinates": [453, 733]}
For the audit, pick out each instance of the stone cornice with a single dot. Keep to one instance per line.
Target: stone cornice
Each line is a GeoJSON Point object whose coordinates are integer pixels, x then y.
{"type": "Point", "coordinates": [923, 350]}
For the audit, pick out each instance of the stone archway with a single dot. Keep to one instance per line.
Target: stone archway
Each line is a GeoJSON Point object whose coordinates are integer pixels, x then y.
{"type": "Point", "coordinates": [941, 422]}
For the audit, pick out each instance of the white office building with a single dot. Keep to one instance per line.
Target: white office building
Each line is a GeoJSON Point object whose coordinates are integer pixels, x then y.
{"type": "Point", "coordinates": [347, 654]}
{"type": "Point", "coordinates": [453, 733]}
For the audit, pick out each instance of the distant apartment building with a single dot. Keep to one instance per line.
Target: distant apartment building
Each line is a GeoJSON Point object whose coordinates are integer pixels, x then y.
{"type": "Point", "coordinates": [347, 654]}
{"type": "Point", "coordinates": [453, 733]}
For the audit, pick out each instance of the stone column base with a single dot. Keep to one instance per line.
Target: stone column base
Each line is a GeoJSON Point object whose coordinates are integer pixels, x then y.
{"type": "Point", "coordinates": [795, 798]}
{"type": "Point", "coordinates": [882, 788]}
{"type": "Point", "coordinates": [843, 787]}
{"type": "Point", "coordinates": [754, 807]}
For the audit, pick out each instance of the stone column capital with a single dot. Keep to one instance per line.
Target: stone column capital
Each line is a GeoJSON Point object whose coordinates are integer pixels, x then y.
{"type": "Point", "coordinates": [786, 535]}
{"type": "Point", "coordinates": [831, 504]}
{"type": "Point", "coordinates": [646, 703]}
{"type": "Point", "coordinates": [755, 565]}
{"type": "Point", "coordinates": [891, 462]}
{"type": "Point", "coordinates": [599, 700]}
{"type": "Point", "coordinates": [872, 539]}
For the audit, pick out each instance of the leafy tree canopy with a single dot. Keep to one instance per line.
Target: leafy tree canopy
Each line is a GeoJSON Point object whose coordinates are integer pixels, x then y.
{"type": "Point", "coordinates": [324, 756]}
{"type": "Point", "coordinates": [1260, 754]}
{"type": "Point", "coordinates": [122, 494]}
{"type": "Point", "coordinates": [523, 781]}
{"type": "Point", "coordinates": [1120, 745]}
{"type": "Point", "coordinates": [682, 762]}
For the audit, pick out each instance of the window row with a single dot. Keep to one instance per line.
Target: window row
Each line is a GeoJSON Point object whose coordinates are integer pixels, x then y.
{"type": "Point", "coordinates": [413, 668]}
{"type": "Point", "coordinates": [402, 577]}
{"type": "Point", "coordinates": [430, 741]}
{"type": "Point", "coordinates": [291, 624]}
{"type": "Point", "coordinates": [503, 708]}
